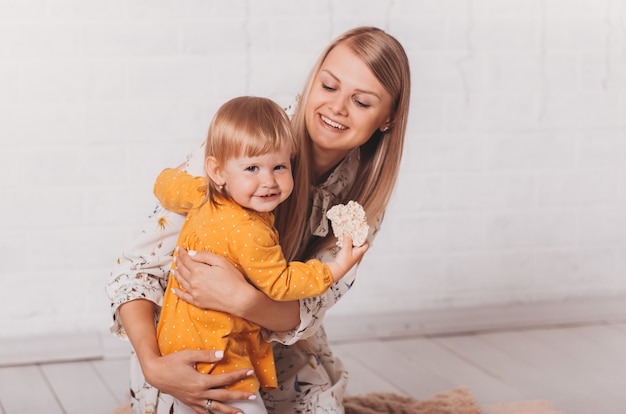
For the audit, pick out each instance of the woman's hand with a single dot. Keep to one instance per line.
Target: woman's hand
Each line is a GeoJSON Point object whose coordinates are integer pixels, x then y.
{"type": "Point", "coordinates": [210, 281]}
{"type": "Point", "coordinates": [175, 374]}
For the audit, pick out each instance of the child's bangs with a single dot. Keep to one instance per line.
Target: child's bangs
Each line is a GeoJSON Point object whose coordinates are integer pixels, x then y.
{"type": "Point", "coordinates": [249, 127]}
{"type": "Point", "coordinates": [262, 142]}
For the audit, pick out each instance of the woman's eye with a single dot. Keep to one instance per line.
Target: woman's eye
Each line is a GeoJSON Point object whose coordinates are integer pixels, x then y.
{"type": "Point", "coordinates": [328, 88]}
{"type": "Point", "coordinates": [361, 103]}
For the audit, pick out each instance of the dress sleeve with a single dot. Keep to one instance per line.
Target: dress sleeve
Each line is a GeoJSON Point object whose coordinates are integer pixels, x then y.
{"type": "Point", "coordinates": [313, 310]}
{"type": "Point", "coordinates": [141, 271]}
{"type": "Point", "coordinates": [178, 190]}
{"type": "Point", "coordinates": [261, 258]}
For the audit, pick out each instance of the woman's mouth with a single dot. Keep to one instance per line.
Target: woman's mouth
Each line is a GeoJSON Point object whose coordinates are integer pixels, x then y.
{"type": "Point", "coordinates": [333, 124]}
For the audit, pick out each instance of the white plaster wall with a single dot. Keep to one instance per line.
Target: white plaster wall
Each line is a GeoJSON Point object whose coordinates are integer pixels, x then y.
{"type": "Point", "coordinates": [513, 186]}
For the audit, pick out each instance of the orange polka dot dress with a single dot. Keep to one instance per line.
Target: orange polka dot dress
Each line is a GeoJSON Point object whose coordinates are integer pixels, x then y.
{"type": "Point", "coordinates": [250, 241]}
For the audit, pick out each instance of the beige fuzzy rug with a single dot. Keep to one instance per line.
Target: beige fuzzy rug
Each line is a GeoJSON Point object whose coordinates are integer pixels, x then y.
{"type": "Point", "coordinates": [455, 401]}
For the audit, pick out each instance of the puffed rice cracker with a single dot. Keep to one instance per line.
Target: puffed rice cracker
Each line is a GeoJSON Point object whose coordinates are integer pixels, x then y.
{"type": "Point", "coordinates": [349, 218]}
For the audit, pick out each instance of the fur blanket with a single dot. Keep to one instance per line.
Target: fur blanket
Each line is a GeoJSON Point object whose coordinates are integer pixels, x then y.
{"type": "Point", "coordinates": [456, 401]}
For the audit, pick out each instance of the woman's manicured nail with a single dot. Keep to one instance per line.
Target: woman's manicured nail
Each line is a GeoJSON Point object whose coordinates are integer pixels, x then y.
{"type": "Point", "coordinates": [219, 354]}
{"type": "Point", "coordinates": [191, 252]}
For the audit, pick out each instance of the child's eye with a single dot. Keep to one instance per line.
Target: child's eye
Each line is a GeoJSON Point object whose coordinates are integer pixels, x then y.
{"type": "Point", "coordinates": [280, 167]}
{"type": "Point", "coordinates": [252, 168]}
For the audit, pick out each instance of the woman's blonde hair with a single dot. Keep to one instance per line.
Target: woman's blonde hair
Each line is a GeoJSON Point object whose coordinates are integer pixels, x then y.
{"type": "Point", "coordinates": [247, 126]}
{"type": "Point", "coordinates": [379, 157]}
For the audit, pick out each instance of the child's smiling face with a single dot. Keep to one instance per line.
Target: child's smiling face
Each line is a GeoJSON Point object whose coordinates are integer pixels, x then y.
{"type": "Point", "coordinates": [259, 183]}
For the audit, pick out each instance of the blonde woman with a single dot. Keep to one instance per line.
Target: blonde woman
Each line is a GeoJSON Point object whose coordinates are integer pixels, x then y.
{"type": "Point", "coordinates": [351, 119]}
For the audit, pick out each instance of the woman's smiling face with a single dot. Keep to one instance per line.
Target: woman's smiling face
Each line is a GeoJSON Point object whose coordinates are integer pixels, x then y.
{"type": "Point", "coordinates": [346, 105]}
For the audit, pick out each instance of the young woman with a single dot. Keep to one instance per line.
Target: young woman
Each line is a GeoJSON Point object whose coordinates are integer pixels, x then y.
{"type": "Point", "coordinates": [351, 120]}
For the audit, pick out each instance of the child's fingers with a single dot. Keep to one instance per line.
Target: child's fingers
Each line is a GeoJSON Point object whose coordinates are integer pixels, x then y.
{"type": "Point", "coordinates": [347, 239]}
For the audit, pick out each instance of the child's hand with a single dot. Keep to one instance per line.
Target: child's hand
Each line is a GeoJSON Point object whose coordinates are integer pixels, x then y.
{"type": "Point", "coordinates": [347, 257]}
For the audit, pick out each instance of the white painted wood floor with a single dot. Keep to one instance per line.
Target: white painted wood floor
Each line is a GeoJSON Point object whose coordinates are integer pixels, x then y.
{"type": "Point", "coordinates": [580, 370]}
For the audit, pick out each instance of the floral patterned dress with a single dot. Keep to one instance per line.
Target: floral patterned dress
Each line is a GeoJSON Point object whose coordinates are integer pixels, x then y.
{"type": "Point", "coordinates": [310, 378]}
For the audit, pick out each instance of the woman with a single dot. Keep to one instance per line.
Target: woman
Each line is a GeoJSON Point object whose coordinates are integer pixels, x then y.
{"type": "Point", "coordinates": [351, 118]}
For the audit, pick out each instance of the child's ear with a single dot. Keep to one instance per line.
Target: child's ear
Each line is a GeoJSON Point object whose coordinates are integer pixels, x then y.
{"type": "Point", "coordinates": [214, 170]}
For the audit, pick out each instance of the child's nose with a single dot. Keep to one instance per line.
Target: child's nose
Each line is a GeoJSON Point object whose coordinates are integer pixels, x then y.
{"type": "Point", "coordinates": [268, 179]}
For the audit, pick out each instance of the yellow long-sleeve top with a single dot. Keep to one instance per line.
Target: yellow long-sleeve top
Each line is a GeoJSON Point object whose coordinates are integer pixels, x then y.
{"type": "Point", "coordinates": [249, 240]}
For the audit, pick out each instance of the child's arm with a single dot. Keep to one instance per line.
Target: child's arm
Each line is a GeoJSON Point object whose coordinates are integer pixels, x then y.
{"type": "Point", "coordinates": [177, 190]}
{"type": "Point", "coordinates": [262, 260]}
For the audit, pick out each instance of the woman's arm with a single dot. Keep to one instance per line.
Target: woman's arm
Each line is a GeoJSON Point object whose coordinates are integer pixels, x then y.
{"type": "Point", "coordinates": [181, 378]}
{"type": "Point", "coordinates": [313, 310]}
{"type": "Point", "coordinates": [142, 270]}
{"type": "Point", "coordinates": [210, 281]}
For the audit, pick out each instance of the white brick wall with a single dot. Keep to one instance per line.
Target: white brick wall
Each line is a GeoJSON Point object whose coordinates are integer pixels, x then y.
{"type": "Point", "coordinates": [513, 187]}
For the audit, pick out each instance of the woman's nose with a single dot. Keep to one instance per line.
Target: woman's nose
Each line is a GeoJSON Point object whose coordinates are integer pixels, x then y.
{"type": "Point", "coordinates": [338, 104]}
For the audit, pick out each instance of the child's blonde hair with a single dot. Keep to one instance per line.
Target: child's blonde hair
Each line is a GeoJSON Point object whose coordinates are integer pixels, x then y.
{"type": "Point", "coordinates": [247, 126]}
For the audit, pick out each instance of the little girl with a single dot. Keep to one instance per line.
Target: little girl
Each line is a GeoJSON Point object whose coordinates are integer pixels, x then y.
{"type": "Point", "coordinates": [248, 156]}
